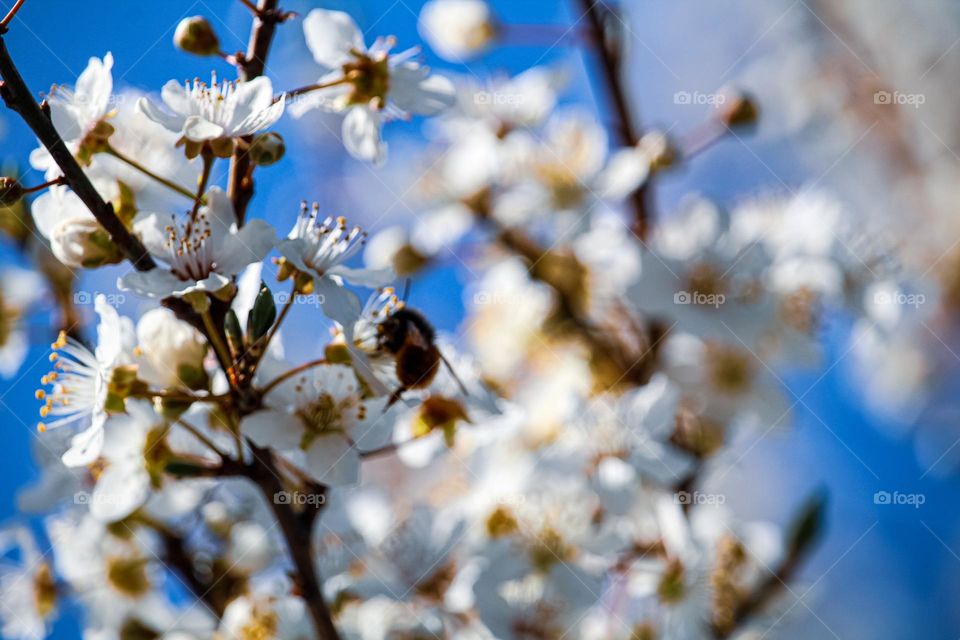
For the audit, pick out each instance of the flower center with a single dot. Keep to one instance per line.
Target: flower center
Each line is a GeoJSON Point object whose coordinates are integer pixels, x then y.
{"type": "Point", "coordinates": [320, 417]}
{"type": "Point", "coordinates": [128, 576]}
{"type": "Point", "coordinates": [369, 76]}
{"type": "Point", "coordinates": [190, 248]}
{"type": "Point", "coordinates": [728, 368]}
{"type": "Point", "coordinates": [328, 243]}
{"type": "Point", "coordinates": [213, 101]}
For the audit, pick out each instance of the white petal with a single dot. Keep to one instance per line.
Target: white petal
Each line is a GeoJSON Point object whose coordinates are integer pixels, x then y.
{"type": "Point", "coordinates": [626, 170]}
{"type": "Point", "coordinates": [332, 461]}
{"type": "Point", "coordinates": [425, 96]}
{"type": "Point", "coordinates": [249, 245]}
{"type": "Point", "coordinates": [85, 447]}
{"type": "Point", "coordinates": [197, 129]}
{"type": "Point", "coordinates": [152, 111]}
{"type": "Point", "coordinates": [361, 135]}
{"type": "Point", "coordinates": [338, 304]}
{"type": "Point", "coordinates": [121, 490]}
{"type": "Point", "coordinates": [156, 283]}
{"type": "Point", "coordinates": [271, 428]}
{"type": "Point", "coordinates": [330, 36]}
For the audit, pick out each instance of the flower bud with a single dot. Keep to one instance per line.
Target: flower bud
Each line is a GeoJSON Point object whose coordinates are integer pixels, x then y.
{"type": "Point", "coordinates": [82, 242]}
{"type": "Point", "coordinates": [173, 350]}
{"type": "Point", "coordinates": [457, 29]}
{"type": "Point", "coordinates": [195, 35]}
{"type": "Point", "coordinates": [11, 191]}
{"type": "Point", "coordinates": [738, 109]}
{"type": "Point", "coordinates": [267, 149]}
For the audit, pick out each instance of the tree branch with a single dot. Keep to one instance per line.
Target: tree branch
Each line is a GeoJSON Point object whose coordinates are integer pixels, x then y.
{"type": "Point", "coordinates": [249, 66]}
{"type": "Point", "coordinates": [296, 530]}
{"type": "Point", "coordinates": [17, 97]}
{"type": "Point", "coordinates": [626, 129]}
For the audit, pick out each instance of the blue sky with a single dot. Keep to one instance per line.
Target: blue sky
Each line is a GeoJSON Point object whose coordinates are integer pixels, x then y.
{"type": "Point", "coordinates": [883, 567]}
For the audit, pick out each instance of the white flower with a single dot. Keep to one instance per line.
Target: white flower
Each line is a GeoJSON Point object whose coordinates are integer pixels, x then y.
{"type": "Point", "coordinates": [320, 423]}
{"type": "Point", "coordinates": [203, 254]}
{"type": "Point", "coordinates": [202, 112]}
{"type": "Point", "coordinates": [570, 171]}
{"type": "Point", "coordinates": [457, 29]}
{"type": "Point", "coordinates": [80, 382]}
{"type": "Point", "coordinates": [172, 350]}
{"type": "Point", "coordinates": [320, 249]}
{"type": "Point", "coordinates": [366, 84]}
{"type": "Point", "coordinates": [76, 238]}
{"type": "Point", "coordinates": [21, 289]}
{"type": "Point", "coordinates": [266, 618]}
{"type": "Point", "coordinates": [28, 588]}
{"type": "Point", "coordinates": [125, 483]}
{"type": "Point", "coordinates": [76, 112]}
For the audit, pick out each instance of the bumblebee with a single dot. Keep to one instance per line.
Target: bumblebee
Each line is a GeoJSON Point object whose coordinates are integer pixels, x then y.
{"type": "Point", "coordinates": [410, 338]}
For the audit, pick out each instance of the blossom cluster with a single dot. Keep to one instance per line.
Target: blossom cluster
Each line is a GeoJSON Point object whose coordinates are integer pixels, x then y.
{"type": "Point", "coordinates": [544, 474]}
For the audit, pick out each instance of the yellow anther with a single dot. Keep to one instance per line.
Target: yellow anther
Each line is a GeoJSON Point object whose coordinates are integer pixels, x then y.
{"type": "Point", "coordinates": [42, 428]}
{"type": "Point", "coordinates": [40, 394]}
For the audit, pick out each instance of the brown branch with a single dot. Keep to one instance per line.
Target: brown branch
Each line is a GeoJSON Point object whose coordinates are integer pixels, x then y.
{"type": "Point", "coordinates": [296, 530]}
{"type": "Point", "coordinates": [17, 97]}
{"type": "Point", "coordinates": [250, 66]}
{"type": "Point", "coordinates": [627, 130]}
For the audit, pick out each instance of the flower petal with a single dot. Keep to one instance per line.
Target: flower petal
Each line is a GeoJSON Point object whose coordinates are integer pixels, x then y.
{"type": "Point", "coordinates": [332, 461]}
{"type": "Point", "coordinates": [198, 129]}
{"type": "Point", "coordinates": [361, 135]}
{"type": "Point", "coordinates": [330, 35]}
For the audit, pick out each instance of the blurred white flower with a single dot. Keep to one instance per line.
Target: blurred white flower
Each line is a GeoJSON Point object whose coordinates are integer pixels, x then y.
{"type": "Point", "coordinates": [368, 85]}
{"type": "Point", "coordinates": [457, 29]}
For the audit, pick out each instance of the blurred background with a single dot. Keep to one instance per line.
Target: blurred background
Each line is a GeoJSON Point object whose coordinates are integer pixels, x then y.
{"type": "Point", "coordinates": [857, 97]}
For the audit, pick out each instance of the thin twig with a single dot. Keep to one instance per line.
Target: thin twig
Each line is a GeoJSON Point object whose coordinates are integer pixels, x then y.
{"type": "Point", "coordinates": [626, 128]}
{"type": "Point", "coordinates": [10, 15]}
{"type": "Point", "coordinates": [240, 185]}
{"type": "Point", "coordinates": [18, 97]}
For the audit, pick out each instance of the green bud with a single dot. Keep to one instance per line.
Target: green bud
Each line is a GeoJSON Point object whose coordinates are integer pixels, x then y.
{"type": "Point", "coordinates": [263, 314]}
{"type": "Point", "coordinates": [267, 149]}
{"type": "Point", "coordinates": [195, 35]}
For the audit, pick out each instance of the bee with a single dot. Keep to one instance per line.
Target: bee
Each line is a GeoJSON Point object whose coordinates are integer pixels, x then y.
{"type": "Point", "coordinates": [410, 338]}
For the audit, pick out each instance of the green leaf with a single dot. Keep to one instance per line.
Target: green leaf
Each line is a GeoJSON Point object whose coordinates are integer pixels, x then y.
{"type": "Point", "coordinates": [807, 524]}
{"type": "Point", "coordinates": [263, 314]}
